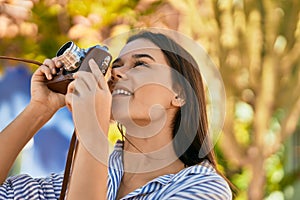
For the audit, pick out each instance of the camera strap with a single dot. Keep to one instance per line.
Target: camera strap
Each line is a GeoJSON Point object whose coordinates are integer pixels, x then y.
{"type": "Point", "coordinates": [21, 60]}
{"type": "Point", "coordinates": [68, 167]}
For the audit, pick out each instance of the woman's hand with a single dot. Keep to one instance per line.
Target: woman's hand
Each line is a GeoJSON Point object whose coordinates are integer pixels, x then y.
{"type": "Point", "coordinates": [41, 96]}
{"type": "Point", "coordinates": [90, 95]}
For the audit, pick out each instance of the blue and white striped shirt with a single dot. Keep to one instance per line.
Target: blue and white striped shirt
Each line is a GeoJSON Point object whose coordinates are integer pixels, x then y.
{"type": "Point", "coordinates": [195, 182]}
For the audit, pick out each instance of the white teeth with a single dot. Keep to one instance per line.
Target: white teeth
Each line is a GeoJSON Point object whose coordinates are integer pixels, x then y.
{"type": "Point", "coordinates": [121, 91]}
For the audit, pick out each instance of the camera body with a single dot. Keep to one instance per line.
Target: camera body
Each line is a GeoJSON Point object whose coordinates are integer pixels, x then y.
{"type": "Point", "coordinates": [75, 59]}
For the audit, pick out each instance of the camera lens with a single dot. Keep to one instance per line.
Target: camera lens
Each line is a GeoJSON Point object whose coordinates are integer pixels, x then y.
{"type": "Point", "coordinates": [71, 56]}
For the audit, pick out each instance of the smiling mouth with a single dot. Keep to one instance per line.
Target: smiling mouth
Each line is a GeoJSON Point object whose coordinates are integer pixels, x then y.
{"type": "Point", "coordinates": [121, 92]}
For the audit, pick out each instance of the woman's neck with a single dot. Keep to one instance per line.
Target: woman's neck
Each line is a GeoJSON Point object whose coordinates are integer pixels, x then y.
{"type": "Point", "coordinates": [145, 155]}
{"type": "Point", "coordinates": [145, 161]}
{"type": "Point", "coordinates": [146, 158]}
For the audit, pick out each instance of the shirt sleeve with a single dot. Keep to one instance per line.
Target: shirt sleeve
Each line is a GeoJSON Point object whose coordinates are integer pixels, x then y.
{"type": "Point", "coordinates": [26, 187]}
{"type": "Point", "coordinates": [212, 187]}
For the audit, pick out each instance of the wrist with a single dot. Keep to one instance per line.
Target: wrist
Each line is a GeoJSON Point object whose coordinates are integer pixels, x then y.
{"type": "Point", "coordinates": [40, 110]}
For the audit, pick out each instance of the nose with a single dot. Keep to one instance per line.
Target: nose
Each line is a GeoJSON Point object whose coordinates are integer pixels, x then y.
{"type": "Point", "coordinates": [118, 73]}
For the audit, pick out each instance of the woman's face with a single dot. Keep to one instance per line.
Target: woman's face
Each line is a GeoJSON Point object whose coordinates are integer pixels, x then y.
{"type": "Point", "coordinates": [142, 92]}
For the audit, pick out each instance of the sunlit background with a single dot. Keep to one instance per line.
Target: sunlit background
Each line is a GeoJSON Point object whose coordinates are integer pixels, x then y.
{"type": "Point", "coordinates": [254, 43]}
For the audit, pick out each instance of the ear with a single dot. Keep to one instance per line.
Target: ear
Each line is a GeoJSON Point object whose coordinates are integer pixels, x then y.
{"type": "Point", "coordinates": [177, 101]}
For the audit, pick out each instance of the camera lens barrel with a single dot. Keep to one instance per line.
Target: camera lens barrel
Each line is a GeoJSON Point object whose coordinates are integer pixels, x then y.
{"type": "Point", "coordinates": [71, 56]}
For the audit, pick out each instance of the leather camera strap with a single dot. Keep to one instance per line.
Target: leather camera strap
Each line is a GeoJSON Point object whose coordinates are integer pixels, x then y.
{"type": "Point", "coordinates": [68, 167]}
{"type": "Point", "coordinates": [73, 143]}
{"type": "Point", "coordinates": [21, 60]}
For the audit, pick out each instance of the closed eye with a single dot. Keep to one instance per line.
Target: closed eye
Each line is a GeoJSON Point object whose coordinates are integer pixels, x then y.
{"type": "Point", "coordinates": [140, 63]}
{"type": "Point", "coordinates": [115, 66]}
{"type": "Point", "coordinates": [116, 63]}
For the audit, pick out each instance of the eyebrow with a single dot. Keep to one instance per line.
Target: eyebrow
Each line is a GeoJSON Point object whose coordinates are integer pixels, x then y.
{"type": "Point", "coordinates": [135, 56]}
{"type": "Point", "coordinates": [116, 61]}
{"type": "Point", "coordinates": [143, 55]}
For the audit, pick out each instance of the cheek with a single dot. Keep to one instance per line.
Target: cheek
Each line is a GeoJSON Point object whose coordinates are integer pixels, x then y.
{"type": "Point", "coordinates": [149, 100]}
{"type": "Point", "coordinates": [151, 95]}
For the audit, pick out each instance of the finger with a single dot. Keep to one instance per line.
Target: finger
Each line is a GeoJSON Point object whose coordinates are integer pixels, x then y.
{"type": "Point", "coordinates": [87, 78]}
{"type": "Point", "coordinates": [45, 70]}
{"type": "Point", "coordinates": [70, 88]}
{"type": "Point", "coordinates": [98, 75]}
{"type": "Point", "coordinates": [80, 86]}
{"type": "Point", "coordinates": [51, 64]}
{"type": "Point", "coordinates": [58, 63]}
{"type": "Point", "coordinates": [68, 100]}
{"type": "Point", "coordinates": [110, 84]}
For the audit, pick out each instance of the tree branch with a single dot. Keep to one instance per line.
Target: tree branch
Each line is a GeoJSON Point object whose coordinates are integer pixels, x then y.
{"type": "Point", "coordinates": [288, 126]}
{"type": "Point", "coordinates": [231, 148]}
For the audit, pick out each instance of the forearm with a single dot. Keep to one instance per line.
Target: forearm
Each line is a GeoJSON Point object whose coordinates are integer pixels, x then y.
{"type": "Point", "coordinates": [89, 173]}
{"type": "Point", "coordinates": [16, 135]}
{"type": "Point", "coordinates": [89, 176]}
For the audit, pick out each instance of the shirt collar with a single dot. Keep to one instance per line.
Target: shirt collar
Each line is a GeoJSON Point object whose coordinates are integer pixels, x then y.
{"type": "Point", "coordinates": [155, 184]}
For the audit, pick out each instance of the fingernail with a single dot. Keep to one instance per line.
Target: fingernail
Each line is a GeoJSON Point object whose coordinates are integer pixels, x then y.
{"type": "Point", "coordinates": [49, 76]}
{"type": "Point", "coordinates": [58, 63]}
{"type": "Point", "coordinates": [92, 60]}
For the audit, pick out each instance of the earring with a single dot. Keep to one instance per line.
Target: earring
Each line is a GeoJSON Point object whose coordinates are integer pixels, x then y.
{"type": "Point", "coordinates": [178, 102]}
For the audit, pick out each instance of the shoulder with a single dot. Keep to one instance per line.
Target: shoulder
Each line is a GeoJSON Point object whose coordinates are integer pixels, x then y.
{"type": "Point", "coordinates": [25, 178]}
{"type": "Point", "coordinates": [199, 181]}
{"type": "Point", "coordinates": [25, 186]}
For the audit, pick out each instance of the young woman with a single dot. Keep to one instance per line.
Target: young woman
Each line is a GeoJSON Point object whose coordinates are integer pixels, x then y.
{"type": "Point", "coordinates": [156, 93]}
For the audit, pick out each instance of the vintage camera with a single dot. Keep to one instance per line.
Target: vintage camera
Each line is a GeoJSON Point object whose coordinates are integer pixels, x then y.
{"type": "Point", "coordinates": [75, 59]}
